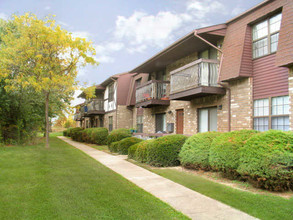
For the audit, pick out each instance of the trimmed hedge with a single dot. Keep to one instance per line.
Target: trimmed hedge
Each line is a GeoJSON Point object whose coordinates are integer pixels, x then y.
{"type": "Point", "coordinates": [114, 147]}
{"type": "Point", "coordinates": [99, 136]}
{"type": "Point", "coordinates": [267, 160]}
{"type": "Point", "coordinates": [67, 132]}
{"type": "Point", "coordinates": [195, 151]}
{"type": "Point", "coordinates": [76, 133]}
{"type": "Point", "coordinates": [132, 150]}
{"type": "Point", "coordinates": [125, 143]}
{"type": "Point", "coordinates": [86, 135]}
{"type": "Point", "coordinates": [141, 152]}
{"type": "Point", "coordinates": [164, 151]}
{"type": "Point", "coordinates": [117, 135]}
{"type": "Point", "coordinates": [225, 151]}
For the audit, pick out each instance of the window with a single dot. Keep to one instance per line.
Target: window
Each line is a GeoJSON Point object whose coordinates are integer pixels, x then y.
{"type": "Point", "coordinates": [265, 36]}
{"type": "Point", "coordinates": [111, 93]}
{"type": "Point", "coordinates": [161, 123]}
{"type": "Point", "coordinates": [207, 119]}
{"type": "Point", "coordinates": [271, 113]}
{"type": "Point", "coordinates": [139, 123]}
{"type": "Point", "coordinates": [110, 123]}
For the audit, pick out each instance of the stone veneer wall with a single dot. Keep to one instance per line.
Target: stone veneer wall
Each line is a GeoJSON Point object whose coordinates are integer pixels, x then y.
{"type": "Point", "coordinates": [290, 81]}
{"type": "Point", "coordinates": [241, 104]}
{"type": "Point", "coordinates": [124, 117]}
{"type": "Point", "coordinates": [106, 119]}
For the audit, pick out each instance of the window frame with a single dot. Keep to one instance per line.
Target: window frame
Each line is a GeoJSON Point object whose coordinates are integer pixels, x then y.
{"type": "Point", "coordinates": [268, 36]}
{"type": "Point", "coordinates": [209, 117]}
{"type": "Point", "coordinates": [139, 124]}
{"type": "Point", "coordinates": [111, 92]}
{"type": "Point", "coordinates": [270, 115]}
{"type": "Point", "coordinates": [110, 123]}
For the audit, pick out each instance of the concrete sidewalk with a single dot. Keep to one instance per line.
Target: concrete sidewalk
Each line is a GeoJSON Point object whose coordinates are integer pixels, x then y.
{"type": "Point", "coordinates": [189, 202]}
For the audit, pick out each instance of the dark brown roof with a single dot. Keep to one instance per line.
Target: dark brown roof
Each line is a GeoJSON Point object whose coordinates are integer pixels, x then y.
{"type": "Point", "coordinates": [181, 48]}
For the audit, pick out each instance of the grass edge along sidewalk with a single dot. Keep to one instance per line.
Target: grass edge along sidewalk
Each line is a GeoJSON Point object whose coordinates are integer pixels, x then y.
{"type": "Point", "coordinates": [189, 202]}
{"type": "Point", "coordinates": [64, 183]}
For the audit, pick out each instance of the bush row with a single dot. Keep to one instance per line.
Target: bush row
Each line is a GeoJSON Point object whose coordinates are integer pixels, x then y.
{"type": "Point", "coordinates": [90, 135]}
{"type": "Point", "coordinates": [264, 159]}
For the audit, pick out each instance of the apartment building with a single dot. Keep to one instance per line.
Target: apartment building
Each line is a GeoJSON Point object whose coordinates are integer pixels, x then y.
{"type": "Point", "coordinates": [231, 76]}
{"type": "Point", "coordinates": [225, 77]}
{"type": "Point", "coordinates": [108, 108]}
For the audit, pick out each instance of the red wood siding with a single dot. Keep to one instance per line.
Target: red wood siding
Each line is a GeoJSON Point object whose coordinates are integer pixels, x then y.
{"type": "Point", "coordinates": [285, 47]}
{"type": "Point", "coordinates": [123, 88]}
{"type": "Point", "coordinates": [246, 62]}
{"type": "Point", "coordinates": [235, 43]}
{"type": "Point", "coordinates": [268, 79]}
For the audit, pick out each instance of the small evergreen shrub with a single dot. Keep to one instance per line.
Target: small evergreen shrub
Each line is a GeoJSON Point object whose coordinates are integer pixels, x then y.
{"type": "Point", "coordinates": [66, 132]}
{"type": "Point", "coordinates": [76, 133]}
{"type": "Point", "coordinates": [114, 147]}
{"type": "Point", "coordinates": [132, 150]}
{"type": "Point", "coordinates": [117, 135]}
{"type": "Point", "coordinates": [267, 160]}
{"type": "Point", "coordinates": [125, 143]}
{"type": "Point", "coordinates": [99, 136]}
{"type": "Point", "coordinates": [195, 151]}
{"type": "Point", "coordinates": [141, 152]}
{"type": "Point", "coordinates": [225, 151]}
{"type": "Point", "coordinates": [164, 150]}
{"type": "Point", "coordinates": [87, 134]}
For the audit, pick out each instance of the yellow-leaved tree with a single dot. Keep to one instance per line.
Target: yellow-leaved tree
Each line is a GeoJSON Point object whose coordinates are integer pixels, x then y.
{"type": "Point", "coordinates": [38, 53]}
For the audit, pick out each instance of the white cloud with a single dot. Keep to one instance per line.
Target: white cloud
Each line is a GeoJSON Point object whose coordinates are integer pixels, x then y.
{"type": "Point", "coordinates": [47, 7]}
{"type": "Point", "coordinates": [137, 49]}
{"type": "Point", "coordinates": [81, 34]}
{"type": "Point", "coordinates": [148, 29]}
{"type": "Point", "coordinates": [3, 16]}
{"type": "Point", "coordinates": [203, 9]}
{"type": "Point", "coordinates": [106, 49]}
{"type": "Point", "coordinates": [63, 23]}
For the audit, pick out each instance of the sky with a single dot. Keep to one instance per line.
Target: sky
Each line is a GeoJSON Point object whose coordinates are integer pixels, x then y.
{"type": "Point", "coordinates": [125, 33]}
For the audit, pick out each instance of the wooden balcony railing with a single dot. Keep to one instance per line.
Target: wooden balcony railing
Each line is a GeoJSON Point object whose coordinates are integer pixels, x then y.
{"type": "Point", "coordinates": [152, 90]}
{"type": "Point", "coordinates": [96, 105]}
{"type": "Point", "coordinates": [202, 72]}
{"type": "Point", "coordinates": [77, 116]}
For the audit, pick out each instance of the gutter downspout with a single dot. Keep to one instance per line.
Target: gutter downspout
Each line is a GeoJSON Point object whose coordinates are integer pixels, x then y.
{"type": "Point", "coordinates": [225, 85]}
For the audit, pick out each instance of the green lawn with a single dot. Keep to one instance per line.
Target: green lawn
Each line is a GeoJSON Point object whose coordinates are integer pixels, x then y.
{"type": "Point", "coordinates": [260, 206]}
{"type": "Point", "coordinates": [64, 183]}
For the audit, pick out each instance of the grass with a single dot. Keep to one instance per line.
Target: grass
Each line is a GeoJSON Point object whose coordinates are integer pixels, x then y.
{"type": "Point", "coordinates": [65, 183]}
{"type": "Point", "coordinates": [258, 205]}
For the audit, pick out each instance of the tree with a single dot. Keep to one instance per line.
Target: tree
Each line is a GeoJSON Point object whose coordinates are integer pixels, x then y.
{"type": "Point", "coordinates": [39, 54]}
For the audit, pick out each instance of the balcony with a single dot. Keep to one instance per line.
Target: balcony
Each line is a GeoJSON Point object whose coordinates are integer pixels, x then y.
{"type": "Point", "coordinates": [195, 79]}
{"type": "Point", "coordinates": [153, 93]}
{"type": "Point", "coordinates": [83, 111]}
{"type": "Point", "coordinates": [77, 116]}
{"type": "Point", "coordinates": [95, 107]}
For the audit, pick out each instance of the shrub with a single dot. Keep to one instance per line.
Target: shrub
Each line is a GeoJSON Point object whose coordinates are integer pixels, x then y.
{"type": "Point", "coordinates": [141, 152]}
{"type": "Point", "coordinates": [125, 143]}
{"type": "Point", "coordinates": [67, 132]}
{"type": "Point", "coordinates": [267, 160]}
{"type": "Point", "coordinates": [114, 146]}
{"type": "Point", "coordinates": [195, 151]}
{"type": "Point", "coordinates": [75, 133]}
{"type": "Point", "coordinates": [164, 150]}
{"type": "Point", "coordinates": [87, 134]}
{"type": "Point", "coordinates": [224, 151]}
{"type": "Point", "coordinates": [99, 136]}
{"type": "Point", "coordinates": [132, 150]}
{"type": "Point", "coordinates": [117, 135]}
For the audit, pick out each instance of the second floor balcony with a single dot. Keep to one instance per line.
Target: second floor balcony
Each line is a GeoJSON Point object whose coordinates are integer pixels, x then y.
{"type": "Point", "coordinates": [95, 107]}
{"type": "Point", "coordinates": [195, 79]}
{"type": "Point", "coordinates": [153, 93]}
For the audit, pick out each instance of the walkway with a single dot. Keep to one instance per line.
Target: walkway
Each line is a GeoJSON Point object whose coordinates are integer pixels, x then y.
{"type": "Point", "coordinates": [187, 201]}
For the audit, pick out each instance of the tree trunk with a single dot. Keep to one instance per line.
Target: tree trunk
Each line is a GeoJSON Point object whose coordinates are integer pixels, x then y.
{"type": "Point", "coordinates": [47, 119]}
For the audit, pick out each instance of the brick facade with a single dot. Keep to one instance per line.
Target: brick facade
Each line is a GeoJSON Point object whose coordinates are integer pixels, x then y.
{"type": "Point", "coordinates": [290, 81]}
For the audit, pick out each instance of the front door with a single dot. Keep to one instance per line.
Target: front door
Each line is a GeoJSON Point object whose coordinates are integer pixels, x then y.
{"type": "Point", "coordinates": [179, 121]}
